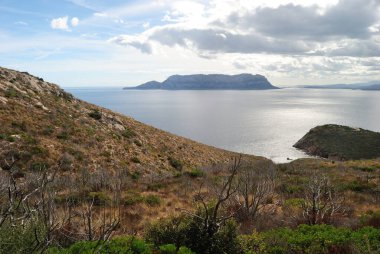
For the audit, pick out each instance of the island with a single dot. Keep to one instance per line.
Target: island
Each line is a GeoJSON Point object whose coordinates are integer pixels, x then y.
{"type": "Point", "coordinates": [340, 143]}
{"type": "Point", "coordinates": [209, 82]}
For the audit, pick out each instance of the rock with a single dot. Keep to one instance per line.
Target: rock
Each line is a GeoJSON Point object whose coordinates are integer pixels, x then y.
{"type": "Point", "coordinates": [40, 105]}
{"type": "Point", "coordinates": [3, 100]}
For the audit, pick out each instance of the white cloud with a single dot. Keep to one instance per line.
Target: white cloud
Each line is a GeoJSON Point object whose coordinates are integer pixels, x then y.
{"type": "Point", "coordinates": [21, 23]}
{"type": "Point", "coordinates": [60, 23]}
{"type": "Point", "coordinates": [74, 21]}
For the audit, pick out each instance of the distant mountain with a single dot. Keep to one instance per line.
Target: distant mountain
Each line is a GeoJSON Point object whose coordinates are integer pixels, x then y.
{"type": "Point", "coordinates": [372, 87]}
{"type": "Point", "coordinates": [358, 86]}
{"type": "Point", "coordinates": [209, 82]}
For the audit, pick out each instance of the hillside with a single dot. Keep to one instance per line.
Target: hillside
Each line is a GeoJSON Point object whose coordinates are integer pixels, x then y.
{"type": "Point", "coordinates": [210, 82]}
{"type": "Point", "coordinates": [41, 124]}
{"type": "Point", "coordinates": [341, 142]}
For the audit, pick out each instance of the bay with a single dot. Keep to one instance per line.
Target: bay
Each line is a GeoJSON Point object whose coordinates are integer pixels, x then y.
{"type": "Point", "coordinates": [265, 123]}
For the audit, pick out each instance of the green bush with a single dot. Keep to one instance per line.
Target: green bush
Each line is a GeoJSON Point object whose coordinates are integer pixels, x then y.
{"type": "Point", "coordinates": [194, 173]}
{"type": "Point", "coordinates": [172, 249]}
{"type": "Point", "coordinates": [135, 175]}
{"type": "Point", "coordinates": [12, 93]}
{"type": "Point", "coordinates": [133, 198]}
{"type": "Point", "coordinates": [190, 232]}
{"type": "Point", "coordinates": [127, 133]}
{"type": "Point", "coordinates": [168, 249]}
{"type": "Point", "coordinates": [358, 186]}
{"type": "Point", "coordinates": [175, 163]}
{"type": "Point", "coordinates": [152, 200]}
{"type": "Point", "coordinates": [26, 238]}
{"type": "Point", "coordinates": [293, 202]}
{"type": "Point", "coordinates": [39, 166]}
{"type": "Point", "coordinates": [120, 245]}
{"type": "Point", "coordinates": [99, 198]}
{"type": "Point", "coordinates": [64, 135]}
{"type": "Point", "coordinates": [321, 239]}
{"type": "Point", "coordinates": [135, 160]}
{"type": "Point", "coordinates": [168, 231]}
{"type": "Point", "coordinates": [96, 114]}
{"type": "Point", "coordinates": [253, 243]}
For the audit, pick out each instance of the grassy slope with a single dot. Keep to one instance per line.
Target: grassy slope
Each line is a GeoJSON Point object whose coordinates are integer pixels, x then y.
{"type": "Point", "coordinates": [342, 142]}
{"type": "Point", "coordinates": [40, 123]}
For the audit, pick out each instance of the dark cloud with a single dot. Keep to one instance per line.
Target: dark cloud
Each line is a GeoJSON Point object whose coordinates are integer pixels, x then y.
{"type": "Point", "coordinates": [349, 18]}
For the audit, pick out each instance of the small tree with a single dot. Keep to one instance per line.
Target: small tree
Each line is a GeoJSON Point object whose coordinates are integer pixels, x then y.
{"type": "Point", "coordinates": [321, 203]}
{"type": "Point", "coordinates": [256, 186]}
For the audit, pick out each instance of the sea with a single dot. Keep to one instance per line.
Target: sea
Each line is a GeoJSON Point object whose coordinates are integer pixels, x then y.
{"type": "Point", "coordinates": [266, 123]}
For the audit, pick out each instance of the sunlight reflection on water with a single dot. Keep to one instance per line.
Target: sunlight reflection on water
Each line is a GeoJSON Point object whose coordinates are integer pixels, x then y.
{"type": "Point", "coordinates": [265, 123]}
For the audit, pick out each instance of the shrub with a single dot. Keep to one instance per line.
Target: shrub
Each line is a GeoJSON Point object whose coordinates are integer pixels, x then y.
{"type": "Point", "coordinates": [133, 198]}
{"type": "Point", "coordinates": [175, 163]}
{"type": "Point", "coordinates": [194, 173]}
{"type": "Point", "coordinates": [172, 249]}
{"type": "Point", "coordinates": [155, 186]}
{"type": "Point", "coordinates": [135, 160]}
{"type": "Point", "coordinates": [127, 133]}
{"type": "Point", "coordinates": [96, 114]}
{"type": "Point", "coordinates": [321, 239]}
{"type": "Point", "coordinates": [293, 202]}
{"type": "Point", "coordinates": [38, 150]}
{"type": "Point", "coordinates": [66, 161]}
{"type": "Point", "coordinates": [253, 243]}
{"type": "Point", "coordinates": [122, 245]}
{"type": "Point", "coordinates": [135, 175]}
{"type": "Point", "coordinates": [99, 198]}
{"type": "Point", "coordinates": [189, 232]}
{"type": "Point", "coordinates": [371, 219]}
{"type": "Point", "coordinates": [64, 135]}
{"type": "Point", "coordinates": [184, 250]}
{"type": "Point", "coordinates": [22, 238]}
{"type": "Point", "coordinates": [152, 200]}
{"type": "Point", "coordinates": [358, 186]}
{"type": "Point", "coordinates": [168, 231]}
{"type": "Point", "coordinates": [168, 249]}
{"type": "Point", "coordinates": [11, 93]}
{"type": "Point", "coordinates": [48, 130]}
{"type": "Point", "coordinates": [39, 166]}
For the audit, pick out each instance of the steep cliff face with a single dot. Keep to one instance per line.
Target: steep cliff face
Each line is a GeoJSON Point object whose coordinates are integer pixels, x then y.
{"type": "Point", "coordinates": [42, 126]}
{"type": "Point", "coordinates": [341, 142]}
{"type": "Point", "coordinates": [212, 82]}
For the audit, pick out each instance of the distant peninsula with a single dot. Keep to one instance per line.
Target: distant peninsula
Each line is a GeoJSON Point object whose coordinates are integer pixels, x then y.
{"type": "Point", "coordinates": [358, 86]}
{"type": "Point", "coordinates": [341, 143]}
{"type": "Point", "coordinates": [209, 82]}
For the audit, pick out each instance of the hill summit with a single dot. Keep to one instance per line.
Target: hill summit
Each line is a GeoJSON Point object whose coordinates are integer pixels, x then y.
{"type": "Point", "coordinates": [210, 82]}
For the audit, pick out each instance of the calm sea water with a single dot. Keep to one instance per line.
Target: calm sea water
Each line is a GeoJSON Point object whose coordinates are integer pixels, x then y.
{"type": "Point", "coordinates": [263, 123]}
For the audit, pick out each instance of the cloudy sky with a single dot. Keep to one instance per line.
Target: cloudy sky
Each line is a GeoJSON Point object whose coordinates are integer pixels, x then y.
{"type": "Point", "coordinates": [121, 42]}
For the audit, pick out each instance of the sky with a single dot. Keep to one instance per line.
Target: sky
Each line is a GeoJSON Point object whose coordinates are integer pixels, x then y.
{"type": "Point", "coordinates": [78, 43]}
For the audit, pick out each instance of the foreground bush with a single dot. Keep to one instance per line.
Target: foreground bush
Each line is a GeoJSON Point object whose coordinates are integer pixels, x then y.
{"type": "Point", "coordinates": [190, 232]}
{"type": "Point", "coordinates": [317, 239]}
{"type": "Point", "coordinates": [120, 245]}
